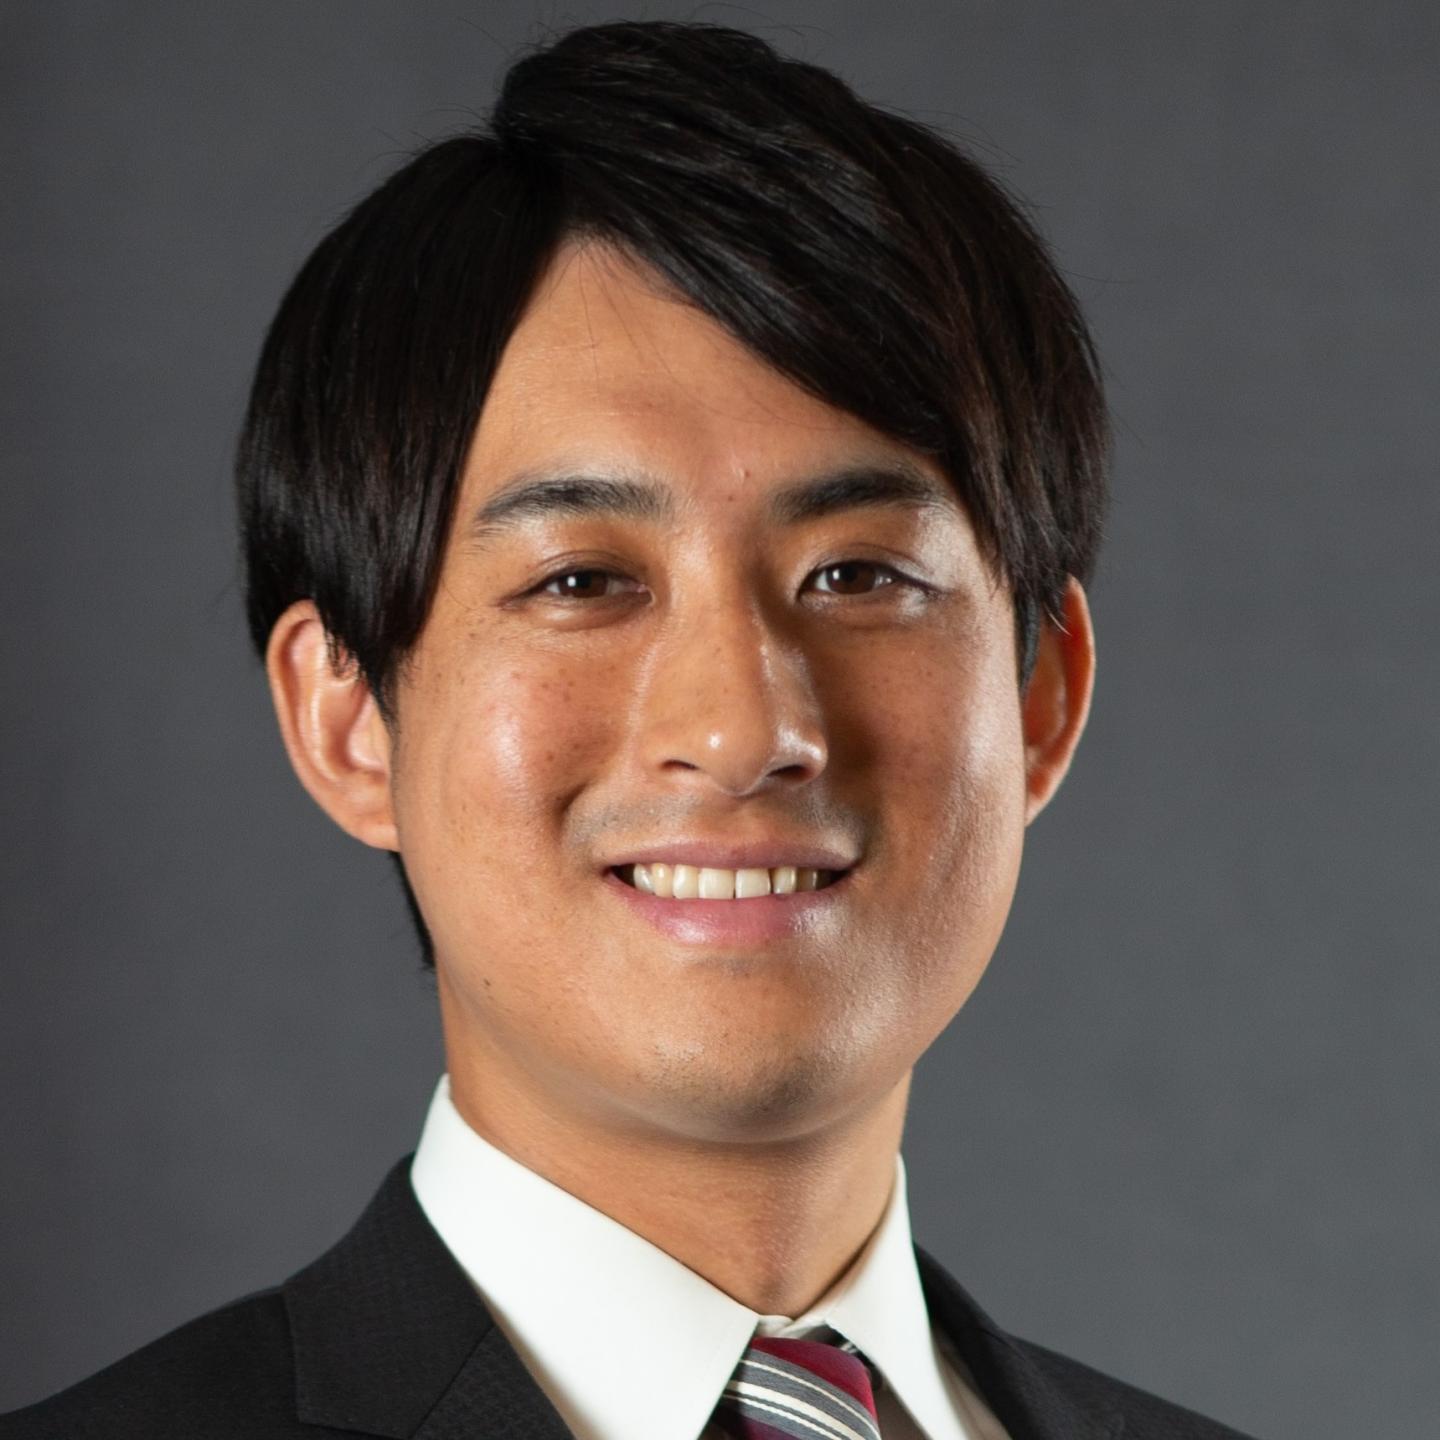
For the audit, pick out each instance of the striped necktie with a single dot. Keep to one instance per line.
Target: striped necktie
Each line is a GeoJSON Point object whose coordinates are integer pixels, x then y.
{"type": "Point", "coordinates": [803, 1389]}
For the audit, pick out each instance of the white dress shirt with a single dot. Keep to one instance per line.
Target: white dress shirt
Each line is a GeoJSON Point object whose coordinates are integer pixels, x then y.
{"type": "Point", "coordinates": [586, 1302]}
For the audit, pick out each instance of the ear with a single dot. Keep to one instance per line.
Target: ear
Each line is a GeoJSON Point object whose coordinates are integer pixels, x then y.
{"type": "Point", "coordinates": [1057, 699]}
{"type": "Point", "coordinates": [334, 733]}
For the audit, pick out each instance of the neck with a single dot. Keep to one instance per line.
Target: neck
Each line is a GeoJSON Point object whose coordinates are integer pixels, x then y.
{"type": "Point", "coordinates": [773, 1223]}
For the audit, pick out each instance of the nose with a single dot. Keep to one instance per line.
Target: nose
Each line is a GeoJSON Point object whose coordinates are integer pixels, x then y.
{"type": "Point", "coordinates": [726, 698]}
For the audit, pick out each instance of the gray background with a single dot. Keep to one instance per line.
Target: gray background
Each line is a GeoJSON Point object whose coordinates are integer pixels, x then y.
{"type": "Point", "coordinates": [1187, 1128]}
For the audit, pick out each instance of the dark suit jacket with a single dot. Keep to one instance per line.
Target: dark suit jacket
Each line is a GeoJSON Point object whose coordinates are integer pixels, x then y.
{"type": "Point", "coordinates": [384, 1335]}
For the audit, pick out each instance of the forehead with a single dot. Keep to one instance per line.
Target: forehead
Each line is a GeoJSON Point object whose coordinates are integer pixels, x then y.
{"type": "Point", "coordinates": [606, 368]}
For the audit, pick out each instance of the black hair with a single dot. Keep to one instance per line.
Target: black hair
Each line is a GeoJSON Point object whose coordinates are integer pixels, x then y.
{"type": "Point", "coordinates": [857, 251]}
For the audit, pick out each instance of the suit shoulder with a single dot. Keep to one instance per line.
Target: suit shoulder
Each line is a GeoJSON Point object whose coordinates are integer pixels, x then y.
{"type": "Point", "coordinates": [227, 1375]}
{"type": "Point", "coordinates": [1146, 1416]}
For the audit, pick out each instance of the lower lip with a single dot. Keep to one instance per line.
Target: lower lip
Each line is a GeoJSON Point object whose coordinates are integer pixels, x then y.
{"type": "Point", "coordinates": [731, 922]}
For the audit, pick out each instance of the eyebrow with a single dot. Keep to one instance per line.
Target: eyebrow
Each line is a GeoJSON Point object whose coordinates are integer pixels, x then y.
{"type": "Point", "coordinates": [896, 484]}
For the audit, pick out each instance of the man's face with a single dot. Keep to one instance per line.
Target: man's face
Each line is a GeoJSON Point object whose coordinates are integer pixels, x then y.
{"type": "Point", "coordinates": [711, 675]}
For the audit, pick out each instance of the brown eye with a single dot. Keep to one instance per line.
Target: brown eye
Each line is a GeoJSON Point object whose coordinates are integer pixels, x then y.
{"type": "Point", "coordinates": [854, 577]}
{"type": "Point", "coordinates": [580, 584]}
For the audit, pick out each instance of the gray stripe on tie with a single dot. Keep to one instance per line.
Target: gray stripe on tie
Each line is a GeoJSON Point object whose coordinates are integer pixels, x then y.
{"type": "Point", "coordinates": [789, 1421]}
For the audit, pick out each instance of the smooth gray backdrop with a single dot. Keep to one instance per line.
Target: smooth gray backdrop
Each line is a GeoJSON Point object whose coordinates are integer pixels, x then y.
{"type": "Point", "coordinates": [1187, 1129]}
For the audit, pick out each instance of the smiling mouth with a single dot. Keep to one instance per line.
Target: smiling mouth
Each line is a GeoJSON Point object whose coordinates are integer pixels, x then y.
{"type": "Point", "coordinates": [696, 882]}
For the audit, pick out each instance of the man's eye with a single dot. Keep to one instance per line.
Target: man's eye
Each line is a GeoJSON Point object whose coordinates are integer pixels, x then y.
{"type": "Point", "coordinates": [581, 584]}
{"type": "Point", "coordinates": [854, 577]}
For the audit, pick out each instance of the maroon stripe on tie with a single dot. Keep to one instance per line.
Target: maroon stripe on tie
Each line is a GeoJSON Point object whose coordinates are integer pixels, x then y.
{"type": "Point", "coordinates": [826, 1361]}
{"type": "Point", "coordinates": [797, 1390]}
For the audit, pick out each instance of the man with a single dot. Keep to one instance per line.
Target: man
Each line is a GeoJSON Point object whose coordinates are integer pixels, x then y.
{"type": "Point", "coordinates": [666, 514]}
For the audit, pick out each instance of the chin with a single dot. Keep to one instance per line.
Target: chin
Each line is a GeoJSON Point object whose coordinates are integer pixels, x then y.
{"type": "Point", "coordinates": [753, 1093]}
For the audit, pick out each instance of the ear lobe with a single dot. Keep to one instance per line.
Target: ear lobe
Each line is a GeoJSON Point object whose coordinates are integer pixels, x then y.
{"type": "Point", "coordinates": [1057, 699]}
{"type": "Point", "coordinates": [337, 740]}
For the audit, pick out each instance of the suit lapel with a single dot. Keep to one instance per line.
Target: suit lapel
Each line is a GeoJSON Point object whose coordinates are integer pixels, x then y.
{"type": "Point", "coordinates": [391, 1339]}
{"type": "Point", "coordinates": [1029, 1401]}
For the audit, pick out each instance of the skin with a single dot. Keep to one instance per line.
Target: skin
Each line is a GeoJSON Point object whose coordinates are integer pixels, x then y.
{"type": "Point", "coordinates": [738, 1105]}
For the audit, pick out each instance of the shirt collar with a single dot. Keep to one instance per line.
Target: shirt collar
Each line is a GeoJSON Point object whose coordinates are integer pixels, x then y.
{"type": "Point", "coordinates": [584, 1300]}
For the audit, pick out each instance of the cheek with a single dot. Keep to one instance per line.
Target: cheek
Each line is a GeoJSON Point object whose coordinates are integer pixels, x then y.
{"type": "Point", "coordinates": [945, 722]}
{"type": "Point", "coordinates": [980, 789]}
{"type": "Point", "coordinates": [955, 811]}
{"type": "Point", "coordinates": [491, 759]}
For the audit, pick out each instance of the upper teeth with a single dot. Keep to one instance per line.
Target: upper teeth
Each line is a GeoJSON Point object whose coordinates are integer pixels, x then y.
{"type": "Point", "coordinates": [697, 882]}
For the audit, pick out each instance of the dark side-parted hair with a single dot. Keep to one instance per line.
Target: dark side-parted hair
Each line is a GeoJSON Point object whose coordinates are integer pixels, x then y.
{"type": "Point", "coordinates": [857, 251]}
